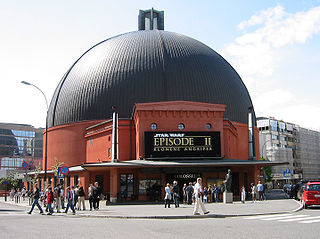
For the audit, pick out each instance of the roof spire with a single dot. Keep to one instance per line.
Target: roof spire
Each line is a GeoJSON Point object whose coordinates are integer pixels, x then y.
{"type": "Point", "coordinates": [151, 19]}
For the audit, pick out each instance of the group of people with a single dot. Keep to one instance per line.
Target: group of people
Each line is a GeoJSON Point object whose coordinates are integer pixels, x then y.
{"type": "Point", "coordinates": [54, 199]}
{"type": "Point", "coordinates": [257, 192]}
{"type": "Point", "coordinates": [17, 195]}
{"type": "Point", "coordinates": [210, 194]}
{"type": "Point", "coordinates": [192, 193]}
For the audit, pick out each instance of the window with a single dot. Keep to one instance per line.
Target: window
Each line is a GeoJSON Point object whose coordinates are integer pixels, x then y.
{"type": "Point", "coordinates": [68, 181]}
{"type": "Point", "coordinates": [208, 126]}
{"type": "Point", "coordinates": [313, 187]}
{"type": "Point", "coordinates": [109, 152]}
{"type": "Point", "coordinates": [181, 126]}
{"type": "Point", "coordinates": [126, 185]}
{"type": "Point", "coordinates": [153, 126]}
{"type": "Point", "coordinates": [148, 185]}
{"type": "Point", "coordinates": [274, 137]}
{"type": "Point", "coordinates": [75, 180]}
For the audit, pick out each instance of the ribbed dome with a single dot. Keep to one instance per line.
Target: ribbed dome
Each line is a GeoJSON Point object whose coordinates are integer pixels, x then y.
{"type": "Point", "coordinates": [146, 66]}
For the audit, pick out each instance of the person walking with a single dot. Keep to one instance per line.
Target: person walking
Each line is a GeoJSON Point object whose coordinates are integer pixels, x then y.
{"type": "Point", "coordinates": [50, 198]}
{"type": "Point", "coordinates": [57, 198]}
{"type": "Point", "coordinates": [198, 198]}
{"type": "Point", "coordinates": [167, 197]}
{"type": "Point", "coordinates": [243, 194]}
{"type": "Point", "coordinates": [70, 198]}
{"type": "Point", "coordinates": [81, 199]}
{"type": "Point", "coordinates": [175, 191]}
{"type": "Point", "coordinates": [36, 196]}
{"type": "Point", "coordinates": [205, 195]}
{"type": "Point", "coordinates": [189, 191]}
{"type": "Point", "coordinates": [76, 196]}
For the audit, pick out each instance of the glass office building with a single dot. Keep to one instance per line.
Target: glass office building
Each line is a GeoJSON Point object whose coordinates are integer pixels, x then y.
{"type": "Point", "coordinates": [20, 143]}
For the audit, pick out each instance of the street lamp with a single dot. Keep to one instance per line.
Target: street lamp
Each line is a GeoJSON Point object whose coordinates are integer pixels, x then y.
{"type": "Point", "coordinates": [46, 144]}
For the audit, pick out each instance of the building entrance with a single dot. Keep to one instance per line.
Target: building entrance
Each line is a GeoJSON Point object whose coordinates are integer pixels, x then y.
{"type": "Point", "coordinates": [182, 178]}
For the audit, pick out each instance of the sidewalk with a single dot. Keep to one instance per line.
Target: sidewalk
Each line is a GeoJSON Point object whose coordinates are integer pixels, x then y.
{"type": "Point", "coordinates": [157, 211]}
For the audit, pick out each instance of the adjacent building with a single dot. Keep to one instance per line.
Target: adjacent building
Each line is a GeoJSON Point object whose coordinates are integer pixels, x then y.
{"type": "Point", "coordinates": [282, 141]}
{"type": "Point", "coordinates": [20, 143]}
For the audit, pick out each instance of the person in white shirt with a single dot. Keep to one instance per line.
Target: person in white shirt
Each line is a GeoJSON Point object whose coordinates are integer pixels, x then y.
{"type": "Point", "coordinates": [198, 197]}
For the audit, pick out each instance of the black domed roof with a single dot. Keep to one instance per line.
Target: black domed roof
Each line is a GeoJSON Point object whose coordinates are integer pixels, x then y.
{"type": "Point", "coordinates": [146, 66]}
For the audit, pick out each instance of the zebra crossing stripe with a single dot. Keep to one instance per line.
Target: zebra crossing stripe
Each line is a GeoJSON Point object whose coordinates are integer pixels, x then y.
{"type": "Point", "coordinates": [310, 221]}
{"type": "Point", "coordinates": [283, 217]}
{"type": "Point", "coordinates": [266, 216]}
{"type": "Point", "coordinates": [299, 219]}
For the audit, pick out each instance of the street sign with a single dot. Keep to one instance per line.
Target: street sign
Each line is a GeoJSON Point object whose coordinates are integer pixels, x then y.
{"type": "Point", "coordinates": [64, 170]}
{"type": "Point", "coordinates": [5, 182]}
{"type": "Point", "coordinates": [287, 173]}
{"type": "Point", "coordinates": [25, 164]}
{"type": "Point", "coordinates": [60, 174]}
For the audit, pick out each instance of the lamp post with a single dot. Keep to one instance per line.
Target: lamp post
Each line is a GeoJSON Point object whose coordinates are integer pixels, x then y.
{"type": "Point", "coordinates": [46, 144]}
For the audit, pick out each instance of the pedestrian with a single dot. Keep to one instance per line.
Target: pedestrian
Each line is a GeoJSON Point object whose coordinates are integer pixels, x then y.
{"type": "Point", "coordinates": [189, 191]}
{"type": "Point", "coordinates": [70, 198]}
{"type": "Point", "coordinates": [12, 193]}
{"type": "Point", "coordinates": [81, 199]}
{"type": "Point", "coordinates": [210, 194]}
{"type": "Point", "coordinates": [23, 193]}
{"type": "Point", "coordinates": [96, 195]}
{"type": "Point", "coordinates": [260, 190]}
{"type": "Point", "coordinates": [57, 198]}
{"type": "Point", "coordinates": [76, 196]}
{"type": "Point", "coordinates": [184, 193]}
{"type": "Point", "coordinates": [175, 191]}
{"type": "Point", "coordinates": [243, 194]}
{"type": "Point", "coordinates": [50, 199]}
{"type": "Point", "coordinates": [90, 195]}
{"type": "Point", "coordinates": [167, 197]}
{"type": "Point", "coordinates": [18, 196]}
{"type": "Point", "coordinates": [198, 198]}
{"type": "Point", "coordinates": [215, 193]}
{"type": "Point", "coordinates": [36, 196]}
{"type": "Point", "coordinates": [205, 195]}
{"type": "Point", "coordinates": [62, 196]}
{"type": "Point", "coordinates": [253, 193]}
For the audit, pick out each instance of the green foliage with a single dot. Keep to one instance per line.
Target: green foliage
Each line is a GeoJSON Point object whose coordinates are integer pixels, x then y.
{"type": "Point", "coordinates": [36, 174]}
{"type": "Point", "coordinates": [268, 171]}
{"type": "Point", "coordinates": [56, 166]}
{"type": "Point", "coordinates": [11, 178]}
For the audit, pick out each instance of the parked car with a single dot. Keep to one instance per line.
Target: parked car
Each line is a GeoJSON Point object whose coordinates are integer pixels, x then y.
{"type": "Point", "coordinates": [311, 194]}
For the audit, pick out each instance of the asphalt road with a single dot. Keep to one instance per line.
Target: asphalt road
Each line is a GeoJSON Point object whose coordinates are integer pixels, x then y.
{"type": "Point", "coordinates": [16, 223]}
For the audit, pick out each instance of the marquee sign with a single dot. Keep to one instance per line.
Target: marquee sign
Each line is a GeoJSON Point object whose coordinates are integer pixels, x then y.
{"type": "Point", "coordinates": [182, 144]}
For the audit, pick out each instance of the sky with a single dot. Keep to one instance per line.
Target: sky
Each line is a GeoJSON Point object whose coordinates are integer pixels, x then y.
{"type": "Point", "coordinates": [273, 45]}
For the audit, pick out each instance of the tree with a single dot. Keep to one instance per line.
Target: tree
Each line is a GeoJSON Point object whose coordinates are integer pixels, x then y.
{"type": "Point", "coordinates": [56, 166]}
{"type": "Point", "coordinates": [11, 178]}
{"type": "Point", "coordinates": [267, 170]}
{"type": "Point", "coordinates": [36, 171]}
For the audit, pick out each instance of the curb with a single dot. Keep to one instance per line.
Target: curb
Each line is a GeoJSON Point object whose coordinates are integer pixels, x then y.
{"type": "Point", "coordinates": [176, 216]}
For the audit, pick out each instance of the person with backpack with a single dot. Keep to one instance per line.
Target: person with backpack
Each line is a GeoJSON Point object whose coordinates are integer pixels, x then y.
{"type": "Point", "coordinates": [70, 198]}
{"type": "Point", "coordinates": [57, 198]}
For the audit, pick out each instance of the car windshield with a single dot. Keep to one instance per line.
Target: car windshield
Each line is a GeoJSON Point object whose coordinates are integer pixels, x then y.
{"type": "Point", "coordinates": [314, 187]}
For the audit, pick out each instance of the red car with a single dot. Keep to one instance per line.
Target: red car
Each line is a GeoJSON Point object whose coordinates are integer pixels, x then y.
{"type": "Point", "coordinates": [311, 194]}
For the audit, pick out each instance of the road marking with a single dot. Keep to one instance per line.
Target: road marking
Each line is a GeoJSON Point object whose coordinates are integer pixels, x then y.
{"type": "Point", "coordinates": [266, 216]}
{"type": "Point", "coordinates": [284, 217]}
{"type": "Point", "coordinates": [299, 219]}
{"type": "Point", "coordinates": [310, 221]}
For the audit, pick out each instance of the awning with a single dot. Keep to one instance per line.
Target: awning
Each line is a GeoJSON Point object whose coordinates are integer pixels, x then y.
{"type": "Point", "coordinates": [181, 163]}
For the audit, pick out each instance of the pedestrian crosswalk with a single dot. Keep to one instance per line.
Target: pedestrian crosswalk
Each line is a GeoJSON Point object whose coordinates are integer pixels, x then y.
{"type": "Point", "coordinates": [287, 217]}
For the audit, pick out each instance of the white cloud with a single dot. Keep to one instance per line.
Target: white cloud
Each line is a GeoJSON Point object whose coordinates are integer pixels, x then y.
{"type": "Point", "coordinates": [256, 55]}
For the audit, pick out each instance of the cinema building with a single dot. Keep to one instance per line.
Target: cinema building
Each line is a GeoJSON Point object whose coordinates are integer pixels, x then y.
{"type": "Point", "coordinates": [152, 106]}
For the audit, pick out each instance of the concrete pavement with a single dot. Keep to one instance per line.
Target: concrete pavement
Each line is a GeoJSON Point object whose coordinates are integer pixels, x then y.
{"type": "Point", "coordinates": [157, 211]}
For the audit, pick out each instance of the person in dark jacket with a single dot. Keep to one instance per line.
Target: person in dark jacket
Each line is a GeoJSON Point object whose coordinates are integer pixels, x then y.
{"type": "Point", "coordinates": [96, 195]}
{"type": "Point", "coordinates": [175, 191]}
{"type": "Point", "coordinates": [36, 196]}
{"type": "Point", "coordinates": [189, 191]}
{"type": "Point", "coordinates": [81, 199]}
